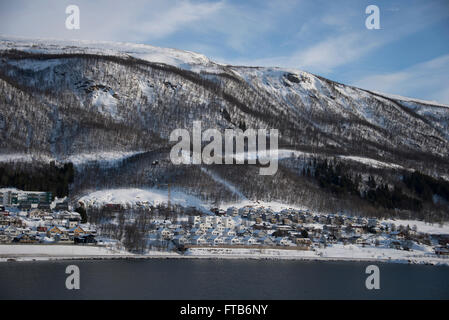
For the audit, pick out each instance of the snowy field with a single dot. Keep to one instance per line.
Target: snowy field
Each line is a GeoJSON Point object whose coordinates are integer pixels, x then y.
{"type": "Point", "coordinates": [430, 228]}
{"type": "Point", "coordinates": [129, 197]}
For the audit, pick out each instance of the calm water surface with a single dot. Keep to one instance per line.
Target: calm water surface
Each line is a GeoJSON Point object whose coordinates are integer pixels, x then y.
{"type": "Point", "coordinates": [220, 279]}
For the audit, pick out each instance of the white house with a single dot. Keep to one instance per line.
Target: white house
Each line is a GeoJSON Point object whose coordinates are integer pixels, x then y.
{"type": "Point", "coordinates": [233, 240]}
{"type": "Point", "coordinates": [219, 227]}
{"type": "Point", "coordinates": [216, 240]}
{"type": "Point", "coordinates": [204, 226]}
{"type": "Point", "coordinates": [249, 240]}
{"type": "Point", "coordinates": [266, 241]}
{"type": "Point", "coordinates": [166, 234]}
{"type": "Point", "coordinates": [11, 231]}
{"type": "Point", "coordinates": [199, 240]}
{"type": "Point", "coordinates": [228, 232]}
{"type": "Point", "coordinates": [180, 240]}
{"type": "Point", "coordinates": [282, 241]}
{"type": "Point", "coordinates": [195, 219]}
{"type": "Point", "coordinates": [228, 222]}
{"type": "Point", "coordinates": [213, 232]}
{"type": "Point", "coordinates": [232, 211]}
{"type": "Point", "coordinates": [208, 219]}
{"type": "Point", "coordinates": [216, 220]}
{"type": "Point", "coordinates": [196, 231]}
{"type": "Point", "coordinates": [72, 223]}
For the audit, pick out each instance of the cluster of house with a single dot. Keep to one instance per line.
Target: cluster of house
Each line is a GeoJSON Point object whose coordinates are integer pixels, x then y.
{"type": "Point", "coordinates": [225, 230]}
{"type": "Point", "coordinates": [249, 226]}
{"type": "Point", "coordinates": [43, 226]}
{"type": "Point", "coordinates": [259, 226]}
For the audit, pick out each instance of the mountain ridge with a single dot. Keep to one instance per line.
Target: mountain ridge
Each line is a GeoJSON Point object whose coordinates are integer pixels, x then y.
{"type": "Point", "coordinates": [276, 82]}
{"type": "Point", "coordinates": [58, 101]}
{"type": "Point", "coordinates": [153, 54]}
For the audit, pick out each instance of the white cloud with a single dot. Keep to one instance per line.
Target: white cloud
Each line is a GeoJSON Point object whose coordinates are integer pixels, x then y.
{"type": "Point", "coordinates": [105, 20]}
{"type": "Point", "coordinates": [338, 37]}
{"type": "Point", "coordinates": [336, 51]}
{"type": "Point", "coordinates": [427, 80]}
{"type": "Point", "coordinates": [174, 18]}
{"type": "Point", "coordinates": [346, 44]}
{"type": "Point", "coordinates": [245, 27]}
{"type": "Point", "coordinates": [323, 56]}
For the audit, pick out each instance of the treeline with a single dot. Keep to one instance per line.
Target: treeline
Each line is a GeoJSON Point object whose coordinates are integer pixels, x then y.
{"type": "Point", "coordinates": [425, 186]}
{"type": "Point", "coordinates": [340, 180]}
{"type": "Point", "coordinates": [392, 199]}
{"type": "Point", "coordinates": [336, 179]}
{"type": "Point", "coordinates": [38, 177]}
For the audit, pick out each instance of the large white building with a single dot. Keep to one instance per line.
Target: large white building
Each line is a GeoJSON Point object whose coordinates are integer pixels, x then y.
{"type": "Point", "coordinates": [13, 197]}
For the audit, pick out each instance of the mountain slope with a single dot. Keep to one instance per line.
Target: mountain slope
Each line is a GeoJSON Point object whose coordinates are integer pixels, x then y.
{"type": "Point", "coordinates": [63, 99]}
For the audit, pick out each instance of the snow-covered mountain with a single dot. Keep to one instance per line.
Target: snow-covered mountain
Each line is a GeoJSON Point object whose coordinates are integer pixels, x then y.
{"type": "Point", "coordinates": [65, 99]}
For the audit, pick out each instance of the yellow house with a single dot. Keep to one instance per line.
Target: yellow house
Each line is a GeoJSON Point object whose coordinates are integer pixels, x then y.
{"type": "Point", "coordinates": [56, 230]}
{"type": "Point", "coordinates": [78, 230]}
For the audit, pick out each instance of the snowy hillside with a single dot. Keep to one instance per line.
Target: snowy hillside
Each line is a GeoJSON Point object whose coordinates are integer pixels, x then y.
{"type": "Point", "coordinates": [131, 196]}
{"type": "Point", "coordinates": [110, 107]}
{"type": "Point", "coordinates": [175, 57]}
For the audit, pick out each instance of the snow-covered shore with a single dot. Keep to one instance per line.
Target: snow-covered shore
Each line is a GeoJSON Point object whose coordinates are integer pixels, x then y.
{"type": "Point", "coordinates": [331, 253]}
{"type": "Point", "coordinates": [39, 252]}
{"type": "Point", "coordinates": [336, 253]}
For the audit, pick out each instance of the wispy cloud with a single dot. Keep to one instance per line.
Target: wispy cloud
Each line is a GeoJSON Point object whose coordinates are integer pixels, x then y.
{"type": "Point", "coordinates": [165, 22]}
{"type": "Point", "coordinates": [427, 80]}
{"type": "Point", "coordinates": [333, 52]}
{"type": "Point", "coordinates": [322, 57]}
{"type": "Point", "coordinates": [337, 37]}
{"type": "Point", "coordinates": [105, 20]}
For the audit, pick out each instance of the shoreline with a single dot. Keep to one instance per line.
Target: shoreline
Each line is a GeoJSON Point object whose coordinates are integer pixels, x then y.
{"type": "Point", "coordinates": [43, 257]}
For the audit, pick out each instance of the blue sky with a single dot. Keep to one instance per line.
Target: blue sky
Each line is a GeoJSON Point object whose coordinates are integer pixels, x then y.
{"type": "Point", "coordinates": [409, 55]}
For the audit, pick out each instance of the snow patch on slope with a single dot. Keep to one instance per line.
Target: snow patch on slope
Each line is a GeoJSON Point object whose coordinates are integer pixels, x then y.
{"type": "Point", "coordinates": [101, 157]}
{"type": "Point", "coordinates": [24, 157]}
{"type": "Point", "coordinates": [372, 163]}
{"type": "Point", "coordinates": [413, 100]}
{"type": "Point", "coordinates": [179, 58]}
{"type": "Point", "coordinates": [105, 102]}
{"type": "Point", "coordinates": [132, 196]}
{"type": "Point", "coordinates": [422, 226]}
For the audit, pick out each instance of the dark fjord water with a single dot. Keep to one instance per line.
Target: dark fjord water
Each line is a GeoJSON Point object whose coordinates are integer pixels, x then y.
{"type": "Point", "coordinates": [220, 279]}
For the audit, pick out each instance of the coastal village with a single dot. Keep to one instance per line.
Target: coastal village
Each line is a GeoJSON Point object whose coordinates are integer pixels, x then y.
{"type": "Point", "coordinates": [32, 218]}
